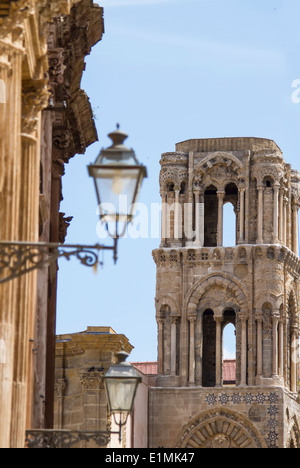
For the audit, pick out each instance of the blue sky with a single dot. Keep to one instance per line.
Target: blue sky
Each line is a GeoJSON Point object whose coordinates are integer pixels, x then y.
{"type": "Point", "coordinates": [167, 71]}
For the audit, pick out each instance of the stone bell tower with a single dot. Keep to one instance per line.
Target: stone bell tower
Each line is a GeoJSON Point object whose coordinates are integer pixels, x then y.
{"type": "Point", "coordinates": [202, 287]}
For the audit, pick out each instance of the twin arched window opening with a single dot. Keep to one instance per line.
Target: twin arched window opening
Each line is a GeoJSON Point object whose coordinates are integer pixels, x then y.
{"type": "Point", "coordinates": [214, 351]}
{"type": "Point", "coordinates": [220, 227]}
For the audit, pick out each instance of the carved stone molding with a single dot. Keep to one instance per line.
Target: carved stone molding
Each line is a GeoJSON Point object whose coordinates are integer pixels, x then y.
{"type": "Point", "coordinates": [91, 380]}
{"type": "Point", "coordinates": [34, 100]}
{"type": "Point", "coordinates": [60, 387]}
{"type": "Point", "coordinates": [62, 138]}
{"type": "Point", "coordinates": [56, 74]}
{"type": "Point", "coordinates": [52, 8]}
{"type": "Point", "coordinates": [12, 26]}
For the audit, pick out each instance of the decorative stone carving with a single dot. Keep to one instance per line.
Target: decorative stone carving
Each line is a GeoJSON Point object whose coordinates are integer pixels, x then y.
{"type": "Point", "coordinates": [247, 285]}
{"type": "Point", "coordinates": [56, 74]}
{"type": "Point", "coordinates": [62, 138]}
{"type": "Point", "coordinates": [60, 387]}
{"type": "Point", "coordinates": [91, 380]}
{"type": "Point", "coordinates": [34, 100]}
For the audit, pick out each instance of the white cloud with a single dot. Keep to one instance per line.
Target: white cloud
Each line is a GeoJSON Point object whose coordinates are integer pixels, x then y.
{"type": "Point", "coordinates": [208, 49]}
{"type": "Point", "coordinates": [227, 354]}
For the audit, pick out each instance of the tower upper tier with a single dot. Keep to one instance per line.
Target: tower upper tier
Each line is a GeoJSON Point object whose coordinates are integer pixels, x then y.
{"type": "Point", "coordinates": [250, 173]}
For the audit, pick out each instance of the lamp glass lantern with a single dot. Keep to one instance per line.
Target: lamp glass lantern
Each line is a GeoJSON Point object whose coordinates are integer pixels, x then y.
{"type": "Point", "coordinates": [118, 177]}
{"type": "Point", "coordinates": [121, 382]}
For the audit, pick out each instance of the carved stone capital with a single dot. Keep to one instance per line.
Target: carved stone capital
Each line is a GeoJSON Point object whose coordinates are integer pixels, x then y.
{"type": "Point", "coordinates": [49, 9]}
{"type": "Point", "coordinates": [192, 318]}
{"type": "Point", "coordinates": [34, 100]}
{"type": "Point", "coordinates": [12, 27]}
{"type": "Point", "coordinates": [60, 386]}
{"type": "Point", "coordinates": [91, 380]}
{"type": "Point", "coordinates": [174, 319]}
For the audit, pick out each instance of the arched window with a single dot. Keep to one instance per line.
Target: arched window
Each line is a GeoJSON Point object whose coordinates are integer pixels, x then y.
{"type": "Point", "coordinates": [229, 348]}
{"type": "Point", "coordinates": [209, 349]}
{"type": "Point", "coordinates": [229, 215]}
{"type": "Point", "coordinates": [170, 187]}
{"type": "Point", "coordinates": [268, 182]}
{"type": "Point", "coordinates": [210, 216]}
{"type": "Point", "coordinates": [182, 188]}
{"type": "Point", "coordinates": [229, 225]}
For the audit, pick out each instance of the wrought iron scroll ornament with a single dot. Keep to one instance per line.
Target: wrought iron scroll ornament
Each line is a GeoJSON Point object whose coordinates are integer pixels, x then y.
{"type": "Point", "coordinates": [52, 439]}
{"type": "Point", "coordinates": [19, 258]}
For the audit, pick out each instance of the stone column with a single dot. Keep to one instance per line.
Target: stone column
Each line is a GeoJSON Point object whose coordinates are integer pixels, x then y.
{"type": "Point", "coordinates": [221, 195]}
{"type": "Point", "coordinates": [259, 321]}
{"type": "Point", "coordinates": [285, 230]}
{"type": "Point", "coordinates": [243, 319]}
{"type": "Point", "coordinates": [192, 363]}
{"type": "Point", "coordinates": [281, 348]}
{"type": "Point", "coordinates": [60, 387]}
{"type": "Point", "coordinates": [199, 209]}
{"type": "Point", "coordinates": [4, 69]}
{"type": "Point", "coordinates": [242, 214]}
{"type": "Point", "coordinates": [276, 212]}
{"type": "Point", "coordinates": [295, 208]}
{"type": "Point", "coordinates": [218, 320]}
{"type": "Point", "coordinates": [201, 222]}
{"type": "Point", "coordinates": [10, 186]}
{"type": "Point", "coordinates": [34, 99]}
{"type": "Point", "coordinates": [189, 232]}
{"type": "Point", "coordinates": [289, 220]}
{"type": "Point", "coordinates": [164, 218]}
{"type": "Point", "coordinates": [260, 211]}
{"type": "Point", "coordinates": [173, 344]}
{"type": "Point", "coordinates": [177, 217]}
{"type": "Point", "coordinates": [160, 324]}
{"type": "Point", "coordinates": [91, 408]}
{"type": "Point", "coordinates": [281, 195]}
{"type": "Point", "coordinates": [275, 320]}
{"type": "Point", "coordinates": [294, 358]}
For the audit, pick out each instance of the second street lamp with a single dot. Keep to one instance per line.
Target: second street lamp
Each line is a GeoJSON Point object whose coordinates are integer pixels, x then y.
{"type": "Point", "coordinates": [121, 382]}
{"type": "Point", "coordinates": [118, 177]}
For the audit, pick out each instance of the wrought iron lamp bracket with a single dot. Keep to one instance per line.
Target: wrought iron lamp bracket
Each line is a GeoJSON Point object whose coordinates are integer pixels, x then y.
{"type": "Point", "coordinates": [19, 258]}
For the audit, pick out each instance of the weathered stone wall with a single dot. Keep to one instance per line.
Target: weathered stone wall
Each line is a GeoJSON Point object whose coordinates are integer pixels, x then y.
{"type": "Point", "coordinates": [27, 82]}
{"type": "Point", "coordinates": [82, 359]}
{"type": "Point", "coordinates": [202, 286]}
{"type": "Point", "coordinates": [217, 418]}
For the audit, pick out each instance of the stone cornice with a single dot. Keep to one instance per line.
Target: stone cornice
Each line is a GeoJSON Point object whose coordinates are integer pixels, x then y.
{"type": "Point", "coordinates": [242, 254]}
{"type": "Point", "coordinates": [70, 40]}
{"type": "Point", "coordinates": [78, 343]}
{"type": "Point", "coordinates": [228, 144]}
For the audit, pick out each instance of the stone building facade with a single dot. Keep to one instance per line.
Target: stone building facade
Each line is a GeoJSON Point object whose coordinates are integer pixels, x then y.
{"type": "Point", "coordinates": [45, 119]}
{"type": "Point", "coordinates": [203, 286]}
{"type": "Point", "coordinates": [82, 359]}
{"type": "Point", "coordinates": [80, 404]}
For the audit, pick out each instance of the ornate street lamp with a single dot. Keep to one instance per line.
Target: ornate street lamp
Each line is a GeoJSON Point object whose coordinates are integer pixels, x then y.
{"type": "Point", "coordinates": [118, 177]}
{"type": "Point", "coordinates": [121, 382]}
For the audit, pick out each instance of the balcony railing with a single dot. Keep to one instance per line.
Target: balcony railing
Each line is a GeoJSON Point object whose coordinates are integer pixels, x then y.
{"type": "Point", "coordinates": [48, 438]}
